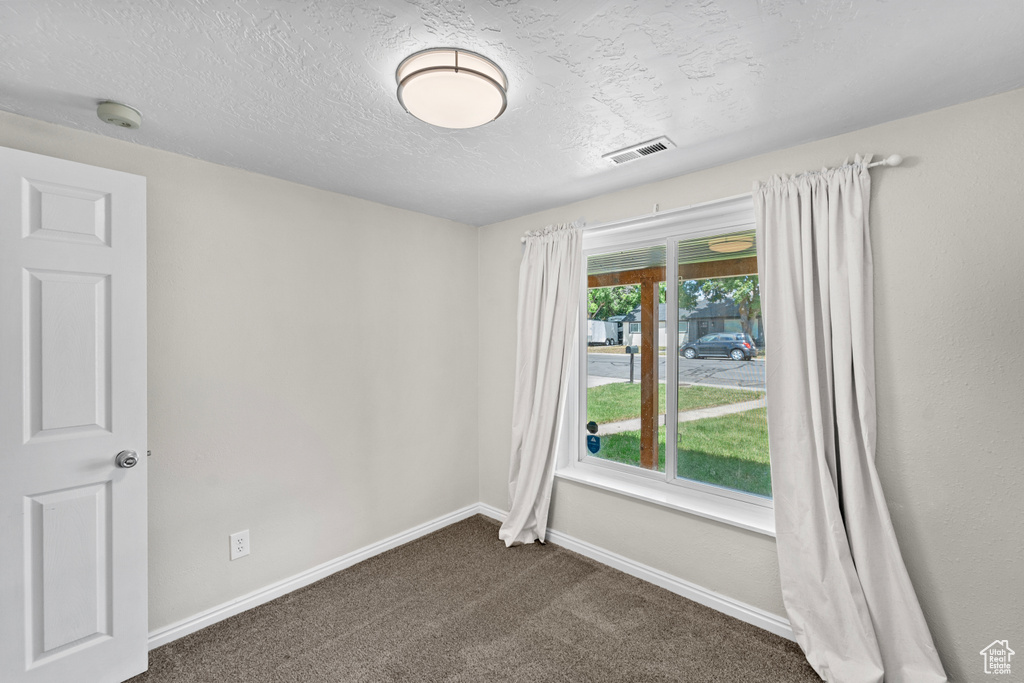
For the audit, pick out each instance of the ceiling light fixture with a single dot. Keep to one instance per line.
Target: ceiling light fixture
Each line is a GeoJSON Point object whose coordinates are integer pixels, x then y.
{"type": "Point", "coordinates": [451, 88]}
{"type": "Point", "coordinates": [117, 114]}
{"type": "Point", "coordinates": [731, 244]}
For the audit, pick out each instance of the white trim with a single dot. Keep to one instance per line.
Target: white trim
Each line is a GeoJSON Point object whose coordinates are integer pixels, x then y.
{"type": "Point", "coordinates": [755, 616]}
{"type": "Point", "coordinates": [692, 499]}
{"type": "Point", "coordinates": [716, 601]}
{"type": "Point", "coordinates": [182, 628]}
{"type": "Point", "coordinates": [671, 360]}
{"type": "Point", "coordinates": [724, 604]}
{"type": "Point", "coordinates": [696, 220]}
{"type": "Point", "coordinates": [491, 511]}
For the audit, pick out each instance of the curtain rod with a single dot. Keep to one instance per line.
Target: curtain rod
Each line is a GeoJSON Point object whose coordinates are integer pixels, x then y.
{"type": "Point", "coordinates": [891, 160]}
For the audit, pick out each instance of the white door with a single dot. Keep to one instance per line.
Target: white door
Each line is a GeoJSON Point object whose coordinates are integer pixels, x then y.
{"type": "Point", "coordinates": [72, 396]}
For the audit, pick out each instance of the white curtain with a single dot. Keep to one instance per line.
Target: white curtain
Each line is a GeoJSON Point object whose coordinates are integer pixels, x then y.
{"type": "Point", "coordinates": [844, 583]}
{"type": "Point", "coordinates": [549, 298]}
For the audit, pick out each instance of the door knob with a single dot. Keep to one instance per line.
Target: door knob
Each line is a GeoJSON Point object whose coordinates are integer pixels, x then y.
{"type": "Point", "coordinates": [127, 459]}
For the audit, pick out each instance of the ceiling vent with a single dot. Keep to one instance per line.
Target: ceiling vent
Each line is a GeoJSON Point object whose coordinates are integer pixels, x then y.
{"type": "Point", "coordinates": [638, 151]}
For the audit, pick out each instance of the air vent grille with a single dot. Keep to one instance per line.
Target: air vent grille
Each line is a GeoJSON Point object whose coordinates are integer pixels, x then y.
{"type": "Point", "coordinates": [639, 151]}
{"type": "Point", "coordinates": [651, 149]}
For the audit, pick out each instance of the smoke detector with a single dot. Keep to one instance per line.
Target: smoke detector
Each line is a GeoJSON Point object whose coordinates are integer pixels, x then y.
{"type": "Point", "coordinates": [639, 151]}
{"type": "Point", "coordinates": [117, 114]}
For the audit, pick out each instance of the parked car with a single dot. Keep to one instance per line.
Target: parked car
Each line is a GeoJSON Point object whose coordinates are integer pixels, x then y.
{"type": "Point", "coordinates": [737, 346]}
{"type": "Point", "coordinates": [750, 340]}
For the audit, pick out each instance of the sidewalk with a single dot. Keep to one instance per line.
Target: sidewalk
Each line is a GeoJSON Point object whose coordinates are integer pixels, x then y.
{"type": "Point", "coordinates": [685, 416]}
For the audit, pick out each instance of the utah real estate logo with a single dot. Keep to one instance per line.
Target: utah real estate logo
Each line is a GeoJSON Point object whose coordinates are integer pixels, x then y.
{"type": "Point", "coordinates": [997, 657]}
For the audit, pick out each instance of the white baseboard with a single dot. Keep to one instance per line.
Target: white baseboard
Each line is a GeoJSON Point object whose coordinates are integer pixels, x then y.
{"type": "Point", "coordinates": [211, 616]}
{"type": "Point", "coordinates": [492, 512]}
{"type": "Point", "coordinates": [772, 623]}
{"type": "Point", "coordinates": [734, 608]}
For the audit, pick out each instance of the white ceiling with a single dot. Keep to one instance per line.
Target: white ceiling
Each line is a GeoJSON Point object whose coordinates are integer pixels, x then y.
{"type": "Point", "coordinates": [305, 90]}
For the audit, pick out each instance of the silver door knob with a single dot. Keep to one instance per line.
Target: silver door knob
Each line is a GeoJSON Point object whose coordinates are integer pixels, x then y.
{"type": "Point", "coordinates": [127, 459]}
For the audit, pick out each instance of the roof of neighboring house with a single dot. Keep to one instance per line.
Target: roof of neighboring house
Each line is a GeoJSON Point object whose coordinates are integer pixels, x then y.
{"type": "Point", "coordinates": [703, 309]}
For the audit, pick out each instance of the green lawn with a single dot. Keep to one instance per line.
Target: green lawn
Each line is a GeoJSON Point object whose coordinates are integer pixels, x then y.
{"type": "Point", "coordinates": [618, 348]}
{"type": "Point", "coordinates": [621, 401]}
{"type": "Point", "coordinates": [731, 450]}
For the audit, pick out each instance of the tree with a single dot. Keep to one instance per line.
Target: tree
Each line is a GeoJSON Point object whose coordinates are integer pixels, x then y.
{"type": "Point", "coordinates": [605, 302]}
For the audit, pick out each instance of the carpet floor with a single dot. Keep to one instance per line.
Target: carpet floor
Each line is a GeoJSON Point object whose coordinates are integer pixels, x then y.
{"type": "Point", "coordinates": [457, 606]}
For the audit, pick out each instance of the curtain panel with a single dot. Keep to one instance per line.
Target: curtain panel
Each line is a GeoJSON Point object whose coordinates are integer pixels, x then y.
{"type": "Point", "coordinates": [548, 314]}
{"type": "Point", "coordinates": [845, 586]}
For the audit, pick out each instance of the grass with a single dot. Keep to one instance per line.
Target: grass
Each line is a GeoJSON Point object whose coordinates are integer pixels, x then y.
{"type": "Point", "coordinates": [615, 349]}
{"type": "Point", "coordinates": [606, 349]}
{"type": "Point", "coordinates": [730, 451]}
{"type": "Point", "coordinates": [621, 400]}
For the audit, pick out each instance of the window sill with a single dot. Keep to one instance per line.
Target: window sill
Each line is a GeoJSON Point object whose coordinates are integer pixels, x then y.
{"type": "Point", "coordinates": [722, 509]}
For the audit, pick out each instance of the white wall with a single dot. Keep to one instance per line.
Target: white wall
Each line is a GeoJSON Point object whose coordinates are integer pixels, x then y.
{"type": "Point", "coordinates": [947, 246]}
{"type": "Point", "coordinates": [263, 412]}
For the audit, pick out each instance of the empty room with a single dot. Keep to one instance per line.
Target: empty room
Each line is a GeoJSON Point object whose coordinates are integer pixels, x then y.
{"type": "Point", "coordinates": [511, 341]}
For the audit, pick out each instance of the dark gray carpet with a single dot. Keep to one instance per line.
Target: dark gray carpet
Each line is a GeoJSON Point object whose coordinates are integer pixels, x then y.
{"type": "Point", "coordinates": [457, 606]}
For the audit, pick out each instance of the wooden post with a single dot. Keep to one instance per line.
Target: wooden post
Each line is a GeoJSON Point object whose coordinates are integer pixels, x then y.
{"type": "Point", "coordinates": [649, 374]}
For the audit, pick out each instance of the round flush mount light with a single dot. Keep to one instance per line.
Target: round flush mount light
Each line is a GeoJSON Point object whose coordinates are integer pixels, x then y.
{"type": "Point", "coordinates": [451, 88]}
{"type": "Point", "coordinates": [730, 244]}
{"type": "Point", "coordinates": [118, 114]}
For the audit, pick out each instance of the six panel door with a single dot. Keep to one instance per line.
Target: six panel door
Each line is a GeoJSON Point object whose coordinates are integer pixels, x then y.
{"type": "Point", "coordinates": [73, 566]}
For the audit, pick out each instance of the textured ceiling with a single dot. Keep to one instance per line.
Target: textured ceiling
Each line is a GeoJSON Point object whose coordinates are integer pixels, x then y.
{"type": "Point", "coordinates": [306, 90]}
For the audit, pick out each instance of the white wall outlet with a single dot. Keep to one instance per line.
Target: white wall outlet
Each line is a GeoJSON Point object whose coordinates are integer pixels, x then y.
{"type": "Point", "coordinates": [239, 544]}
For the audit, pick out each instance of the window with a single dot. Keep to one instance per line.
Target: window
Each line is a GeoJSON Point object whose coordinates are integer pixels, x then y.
{"type": "Point", "coordinates": [685, 418]}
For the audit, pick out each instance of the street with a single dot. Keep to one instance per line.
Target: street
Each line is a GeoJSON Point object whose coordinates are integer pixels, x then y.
{"type": "Point", "coordinates": [710, 372]}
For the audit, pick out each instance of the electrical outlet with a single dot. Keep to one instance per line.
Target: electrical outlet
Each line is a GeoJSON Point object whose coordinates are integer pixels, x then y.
{"type": "Point", "coordinates": [239, 544]}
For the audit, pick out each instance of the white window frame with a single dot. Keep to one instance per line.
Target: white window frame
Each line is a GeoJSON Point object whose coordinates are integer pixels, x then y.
{"type": "Point", "coordinates": [737, 508]}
